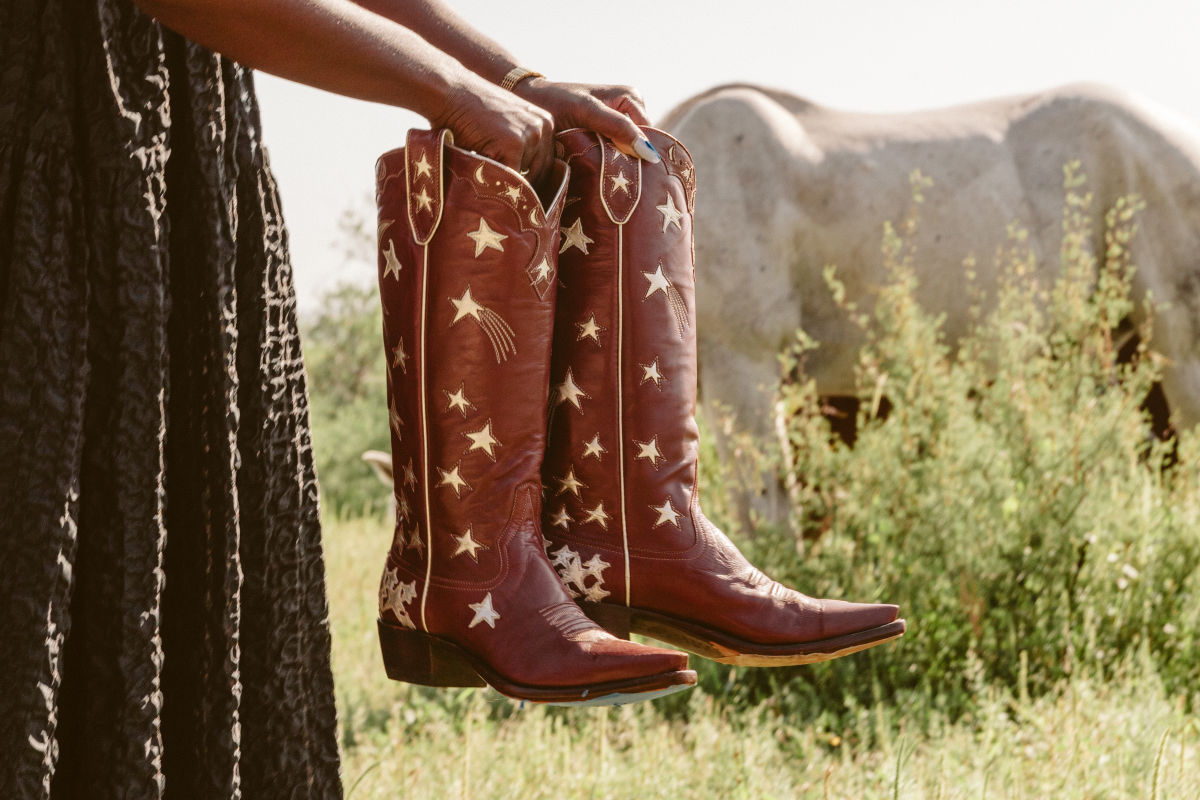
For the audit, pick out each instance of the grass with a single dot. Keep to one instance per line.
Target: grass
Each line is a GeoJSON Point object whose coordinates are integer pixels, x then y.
{"type": "Point", "coordinates": [1122, 738]}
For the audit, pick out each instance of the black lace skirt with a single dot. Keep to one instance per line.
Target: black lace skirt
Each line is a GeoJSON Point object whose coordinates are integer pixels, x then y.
{"type": "Point", "coordinates": [163, 622]}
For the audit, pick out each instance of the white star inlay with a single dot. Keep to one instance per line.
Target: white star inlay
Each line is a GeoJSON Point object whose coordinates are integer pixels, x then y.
{"type": "Point", "coordinates": [467, 544]}
{"type": "Point", "coordinates": [395, 595]}
{"type": "Point", "coordinates": [671, 214]}
{"type": "Point", "coordinates": [575, 237]}
{"type": "Point", "coordinates": [595, 566]}
{"type": "Point", "coordinates": [513, 192]}
{"type": "Point", "coordinates": [452, 479]}
{"type": "Point", "coordinates": [466, 306]}
{"type": "Point", "coordinates": [482, 439]}
{"type": "Point", "coordinates": [484, 612]}
{"type": "Point", "coordinates": [542, 271]}
{"type": "Point", "coordinates": [658, 282]}
{"type": "Point", "coordinates": [424, 168]}
{"type": "Point", "coordinates": [395, 418]}
{"type": "Point", "coordinates": [457, 400]}
{"type": "Point", "coordinates": [569, 483]}
{"type": "Point", "coordinates": [392, 263]}
{"type": "Point", "coordinates": [563, 556]}
{"type": "Point", "coordinates": [486, 238]}
{"type": "Point", "coordinates": [424, 201]}
{"type": "Point", "coordinates": [594, 448]}
{"type": "Point", "coordinates": [574, 574]}
{"type": "Point", "coordinates": [649, 451]}
{"type": "Point", "coordinates": [666, 513]}
{"type": "Point", "coordinates": [620, 182]}
{"type": "Point", "coordinates": [416, 541]}
{"type": "Point", "coordinates": [568, 391]}
{"type": "Point", "coordinates": [399, 357]}
{"type": "Point", "coordinates": [589, 330]}
{"type": "Point", "coordinates": [650, 372]}
{"type": "Point", "coordinates": [597, 514]}
{"type": "Point", "coordinates": [595, 593]}
{"type": "Point", "coordinates": [562, 519]}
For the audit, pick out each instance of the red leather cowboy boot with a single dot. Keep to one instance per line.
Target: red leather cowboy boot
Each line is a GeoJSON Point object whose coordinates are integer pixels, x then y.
{"type": "Point", "coordinates": [622, 509]}
{"type": "Point", "coordinates": [467, 281]}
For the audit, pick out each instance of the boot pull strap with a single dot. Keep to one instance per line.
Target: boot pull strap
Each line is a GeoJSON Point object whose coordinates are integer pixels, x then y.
{"type": "Point", "coordinates": [620, 181]}
{"type": "Point", "coordinates": [424, 176]}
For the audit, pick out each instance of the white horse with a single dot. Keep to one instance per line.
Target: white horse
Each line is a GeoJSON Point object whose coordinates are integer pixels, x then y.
{"type": "Point", "coordinates": [786, 187]}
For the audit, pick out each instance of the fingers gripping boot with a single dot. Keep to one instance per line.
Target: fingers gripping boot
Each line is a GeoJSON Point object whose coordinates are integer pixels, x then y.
{"type": "Point", "coordinates": [623, 516]}
{"type": "Point", "coordinates": [467, 281]}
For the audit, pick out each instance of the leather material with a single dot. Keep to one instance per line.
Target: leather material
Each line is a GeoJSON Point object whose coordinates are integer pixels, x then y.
{"type": "Point", "coordinates": [621, 465]}
{"type": "Point", "coordinates": [467, 279]}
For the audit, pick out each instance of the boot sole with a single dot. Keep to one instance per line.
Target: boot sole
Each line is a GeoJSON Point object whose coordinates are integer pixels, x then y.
{"type": "Point", "coordinates": [725, 648]}
{"type": "Point", "coordinates": [429, 660]}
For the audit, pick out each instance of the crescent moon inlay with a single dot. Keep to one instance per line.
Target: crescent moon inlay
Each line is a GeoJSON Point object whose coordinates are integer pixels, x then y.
{"type": "Point", "coordinates": [384, 224]}
{"type": "Point", "coordinates": [479, 174]}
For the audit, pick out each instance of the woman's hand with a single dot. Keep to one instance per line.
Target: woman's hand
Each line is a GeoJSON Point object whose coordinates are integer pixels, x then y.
{"type": "Point", "coordinates": [614, 111]}
{"type": "Point", "coordinates": [500, 125]}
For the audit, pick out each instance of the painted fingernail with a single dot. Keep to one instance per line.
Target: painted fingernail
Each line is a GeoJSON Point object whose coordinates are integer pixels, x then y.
{"type": "Point", "coordinates": [646, 151]}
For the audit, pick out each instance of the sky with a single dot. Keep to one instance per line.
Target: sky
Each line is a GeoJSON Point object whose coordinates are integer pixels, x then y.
{"type": "Point", "coordinates": [863, 55]}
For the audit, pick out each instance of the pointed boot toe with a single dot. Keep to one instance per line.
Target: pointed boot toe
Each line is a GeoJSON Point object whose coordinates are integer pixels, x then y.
{"type": "Point", "coordinates": [638, 658]}
{"type": "Point", "coordinates": [840, 617]}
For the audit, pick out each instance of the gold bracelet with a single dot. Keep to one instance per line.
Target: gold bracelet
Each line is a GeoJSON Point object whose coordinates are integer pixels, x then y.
{"type": "Point", "coordinates": [516, 75]}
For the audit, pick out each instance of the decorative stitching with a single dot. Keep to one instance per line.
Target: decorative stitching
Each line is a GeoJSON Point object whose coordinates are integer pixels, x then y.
{"type": "Point", "coordinates": [661, 283]}
{"type": "Point", "coordinates": [498, 331]}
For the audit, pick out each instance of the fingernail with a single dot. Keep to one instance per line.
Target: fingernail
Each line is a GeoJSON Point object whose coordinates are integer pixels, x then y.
{"type": "Point", "coordinates": [646, 151]}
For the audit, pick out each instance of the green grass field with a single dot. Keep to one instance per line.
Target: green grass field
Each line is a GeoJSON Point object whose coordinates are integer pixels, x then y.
{"type": "Point", "coordinates": [1123, 738]}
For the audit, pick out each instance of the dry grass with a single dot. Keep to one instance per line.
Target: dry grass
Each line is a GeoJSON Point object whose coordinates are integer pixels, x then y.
{"type": "Point", "coordinates": [1124, 739]}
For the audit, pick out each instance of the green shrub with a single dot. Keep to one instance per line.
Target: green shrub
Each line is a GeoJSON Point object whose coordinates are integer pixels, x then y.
{"type": "Point", "coordinates": [1014, 503]}
{"type": "Point", "coordinates": [343, 353]}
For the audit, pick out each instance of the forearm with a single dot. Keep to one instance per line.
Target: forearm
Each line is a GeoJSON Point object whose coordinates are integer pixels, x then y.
{"type": "Point", "coordinates": [333, 45]}
{"type": "Point", "coordinates": [443, 28]}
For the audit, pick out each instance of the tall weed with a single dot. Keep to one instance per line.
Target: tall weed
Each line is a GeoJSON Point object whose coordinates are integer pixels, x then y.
{"type": "Point", "coordinates": [1013, 502]}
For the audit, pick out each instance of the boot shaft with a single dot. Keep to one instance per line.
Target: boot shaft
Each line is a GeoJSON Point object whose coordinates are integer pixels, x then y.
{"type": "Point", "coordinates": [620, 471]}
{"type": "Point", "coordinates": [467, 281]}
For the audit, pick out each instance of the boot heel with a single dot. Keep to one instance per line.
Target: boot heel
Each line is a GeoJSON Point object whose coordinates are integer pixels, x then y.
{"type": "Point", "coordinates": [416, 657]}
{"type": "Point", "coordinates": [614, 619]}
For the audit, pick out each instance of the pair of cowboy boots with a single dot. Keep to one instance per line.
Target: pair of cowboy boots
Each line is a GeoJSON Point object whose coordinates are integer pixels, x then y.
{"type": "Point", "coordinates": [516, 495]}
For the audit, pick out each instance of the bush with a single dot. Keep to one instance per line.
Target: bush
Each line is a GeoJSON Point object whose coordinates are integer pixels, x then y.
{"type": "Point", "coordinates": [343, 352]}
{"type": "Point", "coordinates": [1014, 503]}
